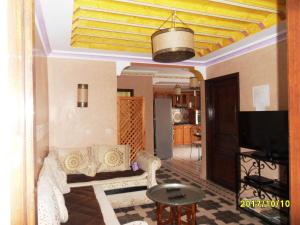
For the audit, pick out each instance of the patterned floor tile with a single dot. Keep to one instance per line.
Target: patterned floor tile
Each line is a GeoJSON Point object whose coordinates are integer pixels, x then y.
{"type": "Point", "coordinates": [216, 208]}
{"type": "Point", "coordinates": [228, 217]}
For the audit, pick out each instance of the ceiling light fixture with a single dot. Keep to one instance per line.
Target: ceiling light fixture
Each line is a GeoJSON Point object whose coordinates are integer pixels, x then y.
{"type": "Point", "coordinates": [173, 44]}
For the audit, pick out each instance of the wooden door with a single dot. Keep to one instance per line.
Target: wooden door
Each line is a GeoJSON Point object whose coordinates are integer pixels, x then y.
{"type": "Point", "coordinates": [178, 135]}
{"type": "Point", "coordinates": [187, 135]}
{"type": "Point", "coordinates": [222, 129]}
{"type": "Point", "coordinates": [131, 123]}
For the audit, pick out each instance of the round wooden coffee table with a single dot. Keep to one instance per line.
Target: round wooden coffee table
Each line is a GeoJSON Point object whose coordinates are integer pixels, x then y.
{"type": "Point", "coordinates": [181, 199]}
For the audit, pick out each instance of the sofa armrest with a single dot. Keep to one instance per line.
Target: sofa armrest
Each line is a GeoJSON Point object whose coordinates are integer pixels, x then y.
{"type": "Point", "coordinates": [52, 168]}
{"type": "Point", "coordinates": [150, 164]}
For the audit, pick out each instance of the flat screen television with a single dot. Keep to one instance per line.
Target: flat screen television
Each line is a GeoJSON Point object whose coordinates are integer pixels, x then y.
{"type": "Point", "coordinates": [265, 132]}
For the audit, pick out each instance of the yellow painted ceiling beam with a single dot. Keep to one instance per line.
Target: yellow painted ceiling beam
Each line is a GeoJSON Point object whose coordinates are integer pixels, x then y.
{"type": "Point", "coordinates": [275, 5]}
{"type": "Point", "coordinates": [138, 37]}
{"type": "Point", "coordinates": [211, 47]}
{"type": "Point", "coordinates": [121, 48]}
{"type": "Point", "coordinates": [202, 30]}
{"type": "Point", "coordinates": [130, 42]}
{"type": "Point", "coordinates": [142, 30]}
{"type": "Point", "coordinates": [93, 26]}
{"type": "Point", "coordinates": [103, 33]}
{"type": "Point", "coordinates": [192, 20]}
{"type": "Point", "coordinates": [150, 22]}
{"type": "Point", "coordinates": [112, 41]}
{"type": "Point", "coordinates": [113, 47]}
{"type": "Point", "coordinates": [271, 20]}
{"type": "Point", "coordinates": [127, 25]}
{"type": "Point", "coordinates": [202, 52]}
{"type": "Point", "coordinates": [204, 7]}
{"type": "Point", "coordinates": [162, 15]}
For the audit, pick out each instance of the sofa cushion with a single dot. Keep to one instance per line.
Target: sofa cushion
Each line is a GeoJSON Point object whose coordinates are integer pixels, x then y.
{"type": "Point", "coordinates": [112, 157]}
{"type": "Point", "coordinates": [79, 178]}
{"type": "Point", "coordinates": [76, 160]}
{"type": "Point", "coordinates": [83, 207]}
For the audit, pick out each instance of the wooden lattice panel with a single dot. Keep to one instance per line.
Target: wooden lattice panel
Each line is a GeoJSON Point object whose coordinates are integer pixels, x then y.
{"type": "Point", "coordinates": [131, 123]}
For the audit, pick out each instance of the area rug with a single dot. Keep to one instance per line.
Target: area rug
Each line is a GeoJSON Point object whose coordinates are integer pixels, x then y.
{"type": "Point", "coordinates": [216, 208]}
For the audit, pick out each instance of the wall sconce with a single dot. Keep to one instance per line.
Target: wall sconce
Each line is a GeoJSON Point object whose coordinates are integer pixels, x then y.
{"type": "Point", "coordinates": [194, 84]}
{"type": "Point", "coordinates": [82, 95]}
{"type": "Point", "coordinates": [177, 92]}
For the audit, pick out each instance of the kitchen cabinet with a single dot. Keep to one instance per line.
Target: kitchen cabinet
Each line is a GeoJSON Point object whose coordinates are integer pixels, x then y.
{"type": "Point", "coordinates": [187, 134]}
{"type": "Point", "coordinates": [187, 99]}
{"type": "Point", "coordinates": [182, 134]}
{"type": "Point", "coordinates": [178, 135]}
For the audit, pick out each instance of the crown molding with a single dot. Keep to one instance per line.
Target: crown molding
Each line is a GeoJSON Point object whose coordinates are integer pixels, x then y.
{"type": "Point", "coordinates": [41, 27]}
{"type": "Point", "coordinates": [113, 57]}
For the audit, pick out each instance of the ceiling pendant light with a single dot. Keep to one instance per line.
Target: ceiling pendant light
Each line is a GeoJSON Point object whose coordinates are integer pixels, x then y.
{"type": "Point", "coordinates": [173, 44]}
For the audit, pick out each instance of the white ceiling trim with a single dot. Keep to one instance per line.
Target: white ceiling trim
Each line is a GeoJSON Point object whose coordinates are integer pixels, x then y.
{"type": "Point", "coordinates": [113, 57]}
{"type": "Point", "coordinates": [41, 27]}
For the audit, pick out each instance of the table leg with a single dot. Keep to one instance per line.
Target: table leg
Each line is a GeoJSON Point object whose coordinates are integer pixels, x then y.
{"type": "Point", "coordinates": [194, 207]}
{"type": "Point", "coordinates": [159, 212]}
{"type": "Point", "coordinates": [178, 216]}
{"type": "Point", "coordinates": [188, 216]}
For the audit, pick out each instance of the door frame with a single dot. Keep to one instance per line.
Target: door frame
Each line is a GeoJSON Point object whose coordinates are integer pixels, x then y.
{"type": "Point", "coordinates": [208, 121]}
{"type": "Point", "coordinates": [293, 16]}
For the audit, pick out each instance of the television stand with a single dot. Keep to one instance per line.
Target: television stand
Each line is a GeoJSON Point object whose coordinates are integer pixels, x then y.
{"type": "Point", "coordinates": [254, 187]}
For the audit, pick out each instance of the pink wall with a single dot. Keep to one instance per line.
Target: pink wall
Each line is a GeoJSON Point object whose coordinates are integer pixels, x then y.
{"type": "Point", "coordinates": [71, 126]}
{"type": "Point", "coordinates": [263, 66]}
{"type": "Point", "coordinates": [41, 108]}
{"type": "Point", "coordinates": [142, 86]}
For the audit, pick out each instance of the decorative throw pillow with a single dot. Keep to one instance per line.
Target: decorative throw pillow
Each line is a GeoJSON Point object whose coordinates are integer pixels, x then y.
{"type": "Point", "coordinates": [76, 160]}
{"type": "Point", "coordinates": [111, 158]}
{"type": "Point", "coordinates": [134, 166]}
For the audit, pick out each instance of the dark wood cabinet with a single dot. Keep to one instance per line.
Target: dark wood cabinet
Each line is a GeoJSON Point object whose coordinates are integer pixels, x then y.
{"type": "Point", "coordinates": [187, 99]}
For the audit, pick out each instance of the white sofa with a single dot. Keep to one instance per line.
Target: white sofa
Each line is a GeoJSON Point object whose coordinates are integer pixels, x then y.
{"type": "Point", "coordinates": [88, 163]}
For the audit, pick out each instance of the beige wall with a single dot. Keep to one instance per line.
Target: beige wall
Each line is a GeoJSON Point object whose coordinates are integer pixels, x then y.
{"type": "Point", "coordinates": [142, 86]}
{"type": "Point", "coordinates": [40, 74]}
{"type": "Point", "coordinates": [71, 126]}
{"type": "Point", "coordinates": [264, 66]}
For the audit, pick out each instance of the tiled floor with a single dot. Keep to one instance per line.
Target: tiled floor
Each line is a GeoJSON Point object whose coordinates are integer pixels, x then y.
{"type": "Point", "coordinates": [217, 206]}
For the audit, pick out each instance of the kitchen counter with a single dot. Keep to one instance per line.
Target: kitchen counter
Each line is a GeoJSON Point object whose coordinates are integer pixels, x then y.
{"type": "Point", "coordinates": [180, 124]}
